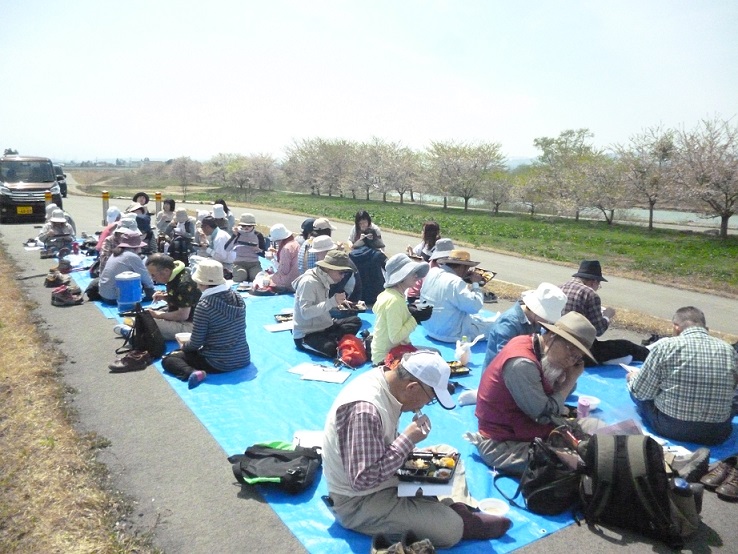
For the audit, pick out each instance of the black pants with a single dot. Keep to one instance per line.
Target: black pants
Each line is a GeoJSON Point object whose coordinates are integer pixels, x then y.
{"type": "Point", "coordinates": [605, 350]}
{"type": "Point", "coordinates": [324, 343]}
{"type": "Point", "coordinates": [182, 364]}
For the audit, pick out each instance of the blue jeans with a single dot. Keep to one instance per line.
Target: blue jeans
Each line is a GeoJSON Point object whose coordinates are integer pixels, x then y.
{"type": "Point", "coordinates": [699, 432]}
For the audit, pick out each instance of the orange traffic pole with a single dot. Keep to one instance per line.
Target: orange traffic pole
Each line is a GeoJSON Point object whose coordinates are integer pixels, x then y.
{"type": "Point", "coordinates": [157, 199]}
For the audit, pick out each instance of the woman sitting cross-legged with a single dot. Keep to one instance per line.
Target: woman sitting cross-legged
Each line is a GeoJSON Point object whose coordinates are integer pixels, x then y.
{"type": "Point", "coordinates": [218, 340]}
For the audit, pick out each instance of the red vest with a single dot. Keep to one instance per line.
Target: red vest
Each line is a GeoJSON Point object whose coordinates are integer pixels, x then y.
{"type": "Point", "coordinates": [499, 417]}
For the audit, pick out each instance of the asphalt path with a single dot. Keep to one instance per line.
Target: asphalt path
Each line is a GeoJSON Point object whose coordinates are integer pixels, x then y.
{"type": "Point", "coordinates": [175, 474]}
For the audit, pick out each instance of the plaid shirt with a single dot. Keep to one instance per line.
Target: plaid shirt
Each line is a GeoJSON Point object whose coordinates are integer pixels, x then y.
{"type": "Point", "coordinates": [691, 377]}
{"type": "Point", "coordinates": [367, 461]}
{"type": "Point", "coordinates": [580, 298]}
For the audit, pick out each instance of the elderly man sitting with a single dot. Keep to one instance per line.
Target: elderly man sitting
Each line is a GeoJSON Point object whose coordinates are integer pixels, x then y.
{"type": "Point", "coordinates": [543, 305]}
{"type": "Point", "coordinates": [363, 449]}
{"type": "Point", "coordinates": [455, 303]}
{"type": "Point", "coordinates": [525, 385]}
{"type": "Point", "coordinates": [684, 390]}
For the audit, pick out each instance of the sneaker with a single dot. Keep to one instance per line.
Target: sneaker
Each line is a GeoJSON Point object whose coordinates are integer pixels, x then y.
{"type": "Point", "coordinates": [196, 377]}
{"type": "Point", "coordinates": [135, 360]}
{"type": "Point", "coordinates": [122, 330]}
{"type": "Point", "coordinates": [66, 296]}
{"type": "Point", "coordinates": [692, 468]}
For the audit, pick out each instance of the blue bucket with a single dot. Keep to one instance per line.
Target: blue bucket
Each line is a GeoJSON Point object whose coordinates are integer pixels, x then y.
{"type": "Point", "coordinates": [129, 290]}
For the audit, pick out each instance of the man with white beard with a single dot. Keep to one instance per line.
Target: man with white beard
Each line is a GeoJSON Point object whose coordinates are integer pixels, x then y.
{"type": "Point", "coordinates": [526, 384]}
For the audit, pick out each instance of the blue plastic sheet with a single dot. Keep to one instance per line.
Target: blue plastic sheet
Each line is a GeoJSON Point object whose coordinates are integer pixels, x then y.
{"type": "Point", "coordinates": [264, 402]}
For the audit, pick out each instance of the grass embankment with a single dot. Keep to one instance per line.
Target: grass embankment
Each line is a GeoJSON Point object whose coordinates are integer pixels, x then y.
{"type": "Point", "coordinates": [52, 491]}
{"type": "Point", "coordinates": [691, 260]}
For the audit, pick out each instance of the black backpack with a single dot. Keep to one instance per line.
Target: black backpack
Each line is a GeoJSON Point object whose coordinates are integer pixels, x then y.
{"type": "Point", "coordinates": [145, 335]}
{"type": "Point", "coordinates": [548, 485]}
{"type": "Point", "coordinates": [625, 485]}
{"type": "Point", "coordinates": [292, 468]}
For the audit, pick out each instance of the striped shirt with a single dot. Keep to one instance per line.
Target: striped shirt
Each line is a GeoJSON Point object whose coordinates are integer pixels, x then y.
{"type": "Point", "coordinates": [691, 377]}
{"type": "Point", "coordinates": [219, 330]}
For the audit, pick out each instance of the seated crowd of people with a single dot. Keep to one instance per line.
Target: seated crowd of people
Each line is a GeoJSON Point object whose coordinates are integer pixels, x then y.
{"type": "Point", "coordinates": [536, 350]}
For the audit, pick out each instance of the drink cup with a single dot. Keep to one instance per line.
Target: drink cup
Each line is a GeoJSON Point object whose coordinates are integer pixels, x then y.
{"type": "Point", "coordinates": [583, 408]}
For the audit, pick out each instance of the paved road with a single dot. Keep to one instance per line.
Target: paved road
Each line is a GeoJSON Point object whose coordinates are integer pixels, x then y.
{"type": "Point", "coordinates": [174, 472]}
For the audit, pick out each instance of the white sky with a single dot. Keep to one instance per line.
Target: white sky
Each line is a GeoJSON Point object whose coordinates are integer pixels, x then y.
{"type": "Point", "coordinates": [88, 79]}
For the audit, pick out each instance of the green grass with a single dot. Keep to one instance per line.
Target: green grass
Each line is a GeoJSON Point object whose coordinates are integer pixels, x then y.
{"type": "Point", "coordinates": [691, 259]}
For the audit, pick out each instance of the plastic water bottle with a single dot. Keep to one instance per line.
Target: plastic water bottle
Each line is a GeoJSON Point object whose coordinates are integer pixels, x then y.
{"type": "Point", "coordinates": [463, 351]}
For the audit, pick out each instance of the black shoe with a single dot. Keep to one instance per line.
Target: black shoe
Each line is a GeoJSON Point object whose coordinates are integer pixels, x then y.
{"type": "Point", "coordinates": [692, 468]}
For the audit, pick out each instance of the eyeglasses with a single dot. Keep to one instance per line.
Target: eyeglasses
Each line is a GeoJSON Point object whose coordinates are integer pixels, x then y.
{"type": "Point", "coordinates": [574, 353]}
{"type": "Point", "coordinates": [431, 399]}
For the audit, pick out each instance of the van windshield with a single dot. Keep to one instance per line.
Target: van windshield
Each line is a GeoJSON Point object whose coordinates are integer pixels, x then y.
{"type": "Point", "coordinates": [15, 171]}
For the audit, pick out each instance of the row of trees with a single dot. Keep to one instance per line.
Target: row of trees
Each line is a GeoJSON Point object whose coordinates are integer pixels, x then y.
{"type": "Point", "coordinates": [672, 168]}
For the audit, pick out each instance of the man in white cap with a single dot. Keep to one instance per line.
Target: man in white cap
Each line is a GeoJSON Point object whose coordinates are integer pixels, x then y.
{"type": "Point", "coordinates": [363, 449]}
{"type": "Point", "coordinates": [525, 387]}
{"type": "Point", "coordinates": [543, 305]}
{"type": "Point", "coordinates": [456, 304]}
{"type": "Point", "coordinates": [394, 320]}
{"type": "Point", "coordinates": [314, 328]}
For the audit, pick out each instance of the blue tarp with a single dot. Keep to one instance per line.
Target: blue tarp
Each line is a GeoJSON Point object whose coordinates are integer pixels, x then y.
{"type": "Point", "coordinates": [265, 402]}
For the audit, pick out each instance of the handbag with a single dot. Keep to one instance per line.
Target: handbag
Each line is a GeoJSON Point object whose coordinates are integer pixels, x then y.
{"type": "Point", "coordinates": [145, 334]}
{"type": "Point", "coordinates": [549, 486]}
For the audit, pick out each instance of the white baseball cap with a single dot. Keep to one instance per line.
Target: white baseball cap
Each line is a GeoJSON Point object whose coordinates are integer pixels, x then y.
{"type": "Point", "coordinates": [431, 369]}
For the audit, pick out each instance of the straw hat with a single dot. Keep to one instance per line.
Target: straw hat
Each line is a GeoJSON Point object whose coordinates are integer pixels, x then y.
{"type": "Point", "coordinates": [279, 232]}
{"type": "Point", "coordinates": [399, 266]}
{"type": "Point", "coordinates": [573, 327]}
{"type": "Point", "coordinates": [460, 257]}
{"type": "Point", "coordinates": [323, 243]}
{"type": "Point", "coordinates": [547, 301]}
{"type": "Point", "coordinates": [337, 260]}
{"type": "Point", "coordinates": [247, 220]}
{"type": "Point", "coordinates": [134, 207]}
{"type": "Point", "coordinates": [442, 249]}
{"type": "Point", "coordinates": [57, 216]}
{"type": "Point", "coordinates": [208, 272]}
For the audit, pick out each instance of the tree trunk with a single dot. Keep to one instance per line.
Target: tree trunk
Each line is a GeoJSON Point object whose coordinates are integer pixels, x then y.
{"type": "Point", "coordinates": [412, 196]}
{"type": "Point", "coordinates": [576, 214]}
{"type": "Point", "coordinates": [384, 197]}
{"type": "Point", "coordinates": [367, 195]}
{"type": "Point", "coordinates": [402, 194]}
{"type": "Point", "coordinates": [611, 218]}
{"type": "Point", "coordinates": [445, 202]}
{"type": "Point", "coordinates": [466, 204]}
{"type": "Point", "coordinates": [724, 218]}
